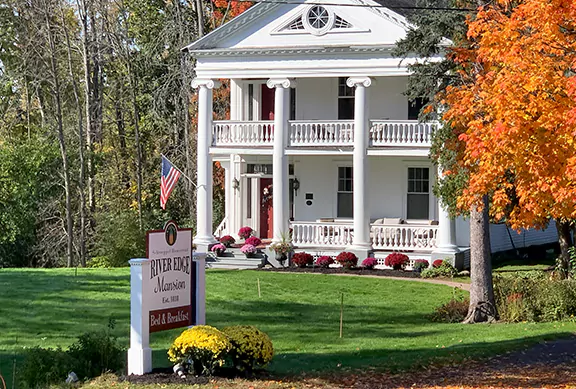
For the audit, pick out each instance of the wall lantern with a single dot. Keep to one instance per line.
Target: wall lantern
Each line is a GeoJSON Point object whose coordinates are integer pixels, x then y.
{"type": "Point", "coordinates": [296, 185]}
{"type": "Point", "coordinates": [235, 184]}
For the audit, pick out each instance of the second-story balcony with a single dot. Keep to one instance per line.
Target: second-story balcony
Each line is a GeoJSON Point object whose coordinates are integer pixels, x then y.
{"type": "Point", "coordinates": [323, 133]}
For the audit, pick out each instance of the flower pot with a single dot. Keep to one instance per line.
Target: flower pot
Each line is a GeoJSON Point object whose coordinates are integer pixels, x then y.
{"type": "Point", "coordinates": [281, 258]}
{"type": "Point", "coordinates": [220, 253]}
{"type": "Point", "coordinates": [250, 255]}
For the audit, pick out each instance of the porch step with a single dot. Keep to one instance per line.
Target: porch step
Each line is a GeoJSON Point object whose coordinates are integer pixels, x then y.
{"type": "Point", "coordinates": [234, 259]}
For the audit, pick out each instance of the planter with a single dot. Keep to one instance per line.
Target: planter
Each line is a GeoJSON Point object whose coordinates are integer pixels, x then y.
{"type": "Point", "coordinates": [220, 253]}
{"type": "Point", "coordinates": [281, 258]}
{"type": "Point", "coordinates": [250, 255]}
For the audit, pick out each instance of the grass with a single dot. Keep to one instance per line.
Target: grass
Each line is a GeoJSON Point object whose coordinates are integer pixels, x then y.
{"type": "Point", "coordinates": [385, 323]}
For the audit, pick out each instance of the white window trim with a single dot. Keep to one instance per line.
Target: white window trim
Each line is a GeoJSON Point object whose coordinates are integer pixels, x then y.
{"type": "Point", "coordinates": [336, 191]}
{"type": "Point", "coordinates": [432, 201]}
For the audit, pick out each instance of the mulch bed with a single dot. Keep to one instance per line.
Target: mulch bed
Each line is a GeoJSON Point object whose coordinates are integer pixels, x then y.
{"type": "Point", "coordinates": [341, 270]}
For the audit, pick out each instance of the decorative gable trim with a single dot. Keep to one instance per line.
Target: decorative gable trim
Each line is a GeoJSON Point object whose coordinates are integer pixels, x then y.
{"type": "Point", "coordinates": [300, 24]}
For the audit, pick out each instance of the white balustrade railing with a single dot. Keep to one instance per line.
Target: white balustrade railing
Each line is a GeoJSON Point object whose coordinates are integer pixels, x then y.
{"type": "Point", "coordinates": [403, 237]}
{"type": "Point", "coordinates": [401, 133]}
{"type": "Point", "coordinates": [316, 133]}
{"type": "Point", "coordinates": [249, 133]}
{"type": "Point", "coordinates": [222, 228]}
{"type": "Point", "coordinates": [321, 133]}
{"type": "Point", "coordinates": [315, 234]}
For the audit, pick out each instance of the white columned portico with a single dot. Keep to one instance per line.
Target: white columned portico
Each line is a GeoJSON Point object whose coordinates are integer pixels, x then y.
{"type": "Point", "coordinates": [280, 180]}
{"type": "Point", "coordinates": [204, 236]}
{"type": "Point", "coordinates": [361, 239]}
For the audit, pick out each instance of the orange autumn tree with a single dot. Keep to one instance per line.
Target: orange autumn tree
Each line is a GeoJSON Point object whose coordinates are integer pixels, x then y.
{"type": "Point", "coordinates": [515, 114]}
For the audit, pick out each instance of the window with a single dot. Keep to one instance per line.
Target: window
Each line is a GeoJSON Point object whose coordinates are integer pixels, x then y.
{"type": "Point", "coordinates": [250, 101]}
{"type": "Point", "coordinates": [345, 100]}
{"type": "Point", "coordinates": [248, 198]}
{"type": "Point", "coordinates": [414, 107]}
{"type": "Point", "coordinates": [345, 198]}
{"type": "Point", "coordinates": [418, 193]}
{"type": "Point", "coordinates": [318, 17]}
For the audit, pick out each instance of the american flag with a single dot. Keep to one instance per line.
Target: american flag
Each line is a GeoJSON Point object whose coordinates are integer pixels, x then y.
{"type": "Point", "coordinates": [170, 176]}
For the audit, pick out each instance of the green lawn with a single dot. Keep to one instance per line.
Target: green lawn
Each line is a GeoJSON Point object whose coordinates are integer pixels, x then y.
{"type": "Point", "coordinates": [385, 325]}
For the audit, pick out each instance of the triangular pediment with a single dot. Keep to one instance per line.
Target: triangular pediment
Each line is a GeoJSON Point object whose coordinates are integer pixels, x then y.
{"type": "Point", "coordinates": [308, 24]}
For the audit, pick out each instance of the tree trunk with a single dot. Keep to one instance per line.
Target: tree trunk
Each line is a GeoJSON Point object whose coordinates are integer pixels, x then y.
{"type": "Point", "coordinates": [564, 228]}
{"type": "Point", "coordinates": [61, 140]}
{"type": "Point", "coordinates": [132, 82]}
{"type": "Point", "coordinates": [81, 180]}
{"type": "Point", "coordinates": [482, 305]}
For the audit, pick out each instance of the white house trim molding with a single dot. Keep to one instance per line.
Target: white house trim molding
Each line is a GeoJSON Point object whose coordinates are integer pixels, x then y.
{"type": "Point", "coordinates": [204, 189]}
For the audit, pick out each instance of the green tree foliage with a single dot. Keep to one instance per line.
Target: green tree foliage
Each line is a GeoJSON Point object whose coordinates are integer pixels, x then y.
{"type": "Point", "coordinates": [124, 97]}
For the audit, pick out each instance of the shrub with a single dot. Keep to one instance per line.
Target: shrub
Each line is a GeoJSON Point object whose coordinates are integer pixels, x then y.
{"type": "Point", "coordinates": [437, 263]}
{"type": "Point", "coordinates": [369, 263]}
{"type": "Point", "coordinates": [397, 261]}
{"type": "Point", "coordinates": [245, 232]}
{"type": "Point", "coordinates": [324, 261]}
{"type": "Point", "coordinates": [95, 353]}
{"type": "Point", "coordinates": [347, 260]}
{"type": "Point", "coordinates": [44, 366]}
{"type": "Point", "coordinates": [227, 240]}
{"type": "Point", "coordinates": [254, 241]}
{"type": "Point", "coordinates": [91, 355]}
{"type": "Point", "coordinates": [533, 297]}
{"type": "Point", "coordinates": [205, 346]}
{"type": "Point", "coordinates": [251, 348]}
{"type": "Point", "coordinates": [302, 259]}
{"type": "Point", "coordinates": [421, 264]}
{"type": "Point", "coordinates": [248, 249]}
{"type": "Point", "coordinates": [444, 270]}
{"type": "Point", "coordinates": [454, 311]}
{"type": "Point", "coordinates": [219, 249]}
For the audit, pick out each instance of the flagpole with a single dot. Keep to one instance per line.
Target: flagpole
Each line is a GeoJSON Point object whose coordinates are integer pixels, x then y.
{"type": "Point", "coordinates": [184, 175]}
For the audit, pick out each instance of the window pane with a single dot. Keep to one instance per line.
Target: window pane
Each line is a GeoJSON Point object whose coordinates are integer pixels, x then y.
{"type": "Point", "coordinates": [345, 207]}
{"type": "Point", "coordinates": [345, 109]}
{"type": "Point", "coordinates": [417, 206]}
{"type": "Point", "coordinates": [425, 186]}
{"type": "Point", "coordinates": [341, 185]}
{"type": "Point", "coordinates": [425, 173]}
{"type": "Point", "coordinates": [410, 186]}
{"type": "Point", "coordinates": [410, 173]}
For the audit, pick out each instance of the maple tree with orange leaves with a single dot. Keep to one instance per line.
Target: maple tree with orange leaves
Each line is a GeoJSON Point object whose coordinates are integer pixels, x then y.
{"type": "Point", "coordinates": [515, 113]}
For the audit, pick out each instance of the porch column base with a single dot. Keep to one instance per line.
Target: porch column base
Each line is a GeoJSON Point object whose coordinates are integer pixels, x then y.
{"type": "Point", "coordinates": [456, 257]}
{"type": "Point", "coordinates": [204, 243]}
{"type": "Point", "coordinates": [361, 251]}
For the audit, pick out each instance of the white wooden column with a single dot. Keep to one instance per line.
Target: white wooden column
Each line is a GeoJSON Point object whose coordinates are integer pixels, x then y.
{"type": "Point", "coordinates": [446, 240]}
{"type": "Point", "coordinates": [204, 216]}
{"type": "Point", "coordinates": [361, 240]}
{"type": "Point", "coordinates": [280, 180]}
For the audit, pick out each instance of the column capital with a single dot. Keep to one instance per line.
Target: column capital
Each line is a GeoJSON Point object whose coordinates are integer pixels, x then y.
{"type": "Point", "coordinates": [281, 83]}
{"type": "Point", "coordinates": [359, 81]}
{"type": "Point", "coordinates": [206, 82]}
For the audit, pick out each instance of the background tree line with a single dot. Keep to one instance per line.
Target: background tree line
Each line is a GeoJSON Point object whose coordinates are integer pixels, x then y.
{"type": "Point", "coordinates": [91, 93]}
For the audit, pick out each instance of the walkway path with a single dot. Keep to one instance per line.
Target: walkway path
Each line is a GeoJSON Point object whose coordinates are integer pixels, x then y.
{"type": "Point", "coordinates": [453, 284]}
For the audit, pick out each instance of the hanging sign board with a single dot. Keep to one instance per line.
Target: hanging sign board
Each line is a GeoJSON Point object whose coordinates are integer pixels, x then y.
{"type": "Point", "coordinates": [170, 283]}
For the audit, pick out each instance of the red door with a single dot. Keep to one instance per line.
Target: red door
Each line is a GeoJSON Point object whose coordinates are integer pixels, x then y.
{"type": "Point", "coordinates": [266, 212]}
{"type": "Point", "coordinates": [267, 103]}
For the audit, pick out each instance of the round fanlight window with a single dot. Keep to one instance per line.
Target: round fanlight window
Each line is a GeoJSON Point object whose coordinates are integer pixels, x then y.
{"type": "Point", "coordinates": [319, 19]}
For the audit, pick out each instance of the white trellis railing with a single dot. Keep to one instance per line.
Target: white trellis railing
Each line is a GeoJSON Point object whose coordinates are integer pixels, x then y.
{"type": "Point", "coordinates": [401, 133]}
{"type": "Point", "coordinates": [321, 133]}
{"type": "Point", "coordinates": [315, 234]}
{"type": "Point", "coordinates": [403, 237]}
{"type": "Point", "coordinates": [232, 133]}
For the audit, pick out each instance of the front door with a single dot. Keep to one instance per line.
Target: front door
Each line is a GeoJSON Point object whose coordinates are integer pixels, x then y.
{"type": "Point", "coordinates": [267, 103]}
{"type": "Point", "coordinates": [266, 211]}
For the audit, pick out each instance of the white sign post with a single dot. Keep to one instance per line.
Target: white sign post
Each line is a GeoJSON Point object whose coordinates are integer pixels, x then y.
{"type": "Point", "coordinates": [167, 290]}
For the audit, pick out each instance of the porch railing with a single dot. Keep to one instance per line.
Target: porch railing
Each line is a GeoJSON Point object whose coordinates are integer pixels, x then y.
{"type": "Point", "coordinates": [383, 236]}
{"type": "Point", "coordinates": [232, 133]}
{"type": "Point", "coordinates": [314, 133]}
{"type": "Point", "coordinates": [314, 234]}
{"type": "Point", "coordinates": [403, 237]}
{"type": "Point", "coordinates": [321, 133]}
{"type": "Point", "coordinates": [222, 228]}
{"type": "Point", "coordinates": [401, 133]}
